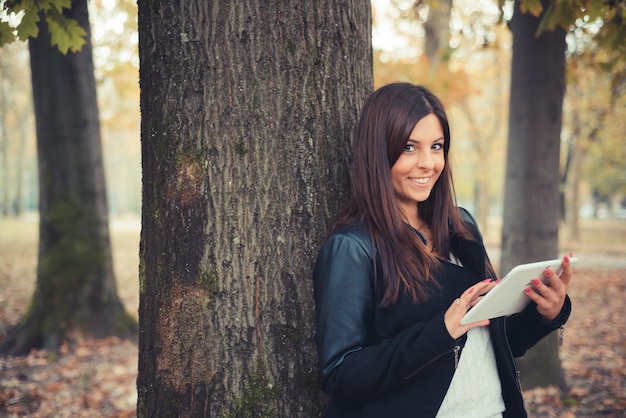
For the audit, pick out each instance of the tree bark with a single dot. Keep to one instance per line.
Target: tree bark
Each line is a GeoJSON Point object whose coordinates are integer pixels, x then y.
{"type": "Point", "coordinates": [76, 292]}
{"type": "Point", "coordinates": [532, 199]}
{"type": "Point", "coordinates": [248, 111]}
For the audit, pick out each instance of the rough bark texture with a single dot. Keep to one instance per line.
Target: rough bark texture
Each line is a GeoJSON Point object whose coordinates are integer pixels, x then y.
{"type": "Point", "coordinates": [248, 111]}
{"type": "Point", "coordinates": [76, 291]}
{"type": "Point", "coordinates": [532, 198]}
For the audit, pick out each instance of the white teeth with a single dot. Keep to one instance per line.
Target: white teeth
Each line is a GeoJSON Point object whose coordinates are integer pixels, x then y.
{"type": "Point", "coordinates": [423, 180]}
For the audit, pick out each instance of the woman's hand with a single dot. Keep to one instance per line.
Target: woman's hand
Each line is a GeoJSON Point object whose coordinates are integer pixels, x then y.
{"type": "Point", "coordinates": [460, 306]}
{"type": "Point", "coordinates": [550, 298]}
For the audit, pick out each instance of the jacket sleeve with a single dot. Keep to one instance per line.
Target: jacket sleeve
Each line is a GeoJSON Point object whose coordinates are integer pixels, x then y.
{"type": "Point", "coordinates": [352, 363]}
{"type": "Point", "coordinates": [526, 328]}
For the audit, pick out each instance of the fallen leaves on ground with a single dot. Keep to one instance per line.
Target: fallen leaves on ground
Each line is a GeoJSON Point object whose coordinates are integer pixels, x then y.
{"type": "Point", "coordinates": [90, 378]}
{"type": "Point", "coordinates": [593, 352]}
{"type": "Point", "coordinates": [97, 377]}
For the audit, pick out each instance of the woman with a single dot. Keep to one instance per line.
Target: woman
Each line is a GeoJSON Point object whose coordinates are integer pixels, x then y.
{"type": "Point", "coordinates": [401, 268]}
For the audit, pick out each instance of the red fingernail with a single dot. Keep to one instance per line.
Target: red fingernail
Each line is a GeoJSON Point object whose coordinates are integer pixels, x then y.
{"type": "Point", "coordinates": [470, 291]}
{"type": "Point", "coordinates": [566, 259]}
{"type": "Point", "coordinates": [535, 282]}
{"type": "Point", "coordinates": [548, 272]}
{"type": "Point", "coordinates": [486, 280]}
{"type": "Point", "coordinates": [527, 290]}
{"type": "Point", "coordinates": [498, 281]}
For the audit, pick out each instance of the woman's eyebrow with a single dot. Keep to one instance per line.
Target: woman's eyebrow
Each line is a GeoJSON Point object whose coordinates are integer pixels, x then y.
{"type": "Point", "coordinates": [419, 141]}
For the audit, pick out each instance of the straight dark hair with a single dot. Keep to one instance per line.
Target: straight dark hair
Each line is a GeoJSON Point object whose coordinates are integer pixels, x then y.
{"type": "Point", "coordinates": [387, 119]}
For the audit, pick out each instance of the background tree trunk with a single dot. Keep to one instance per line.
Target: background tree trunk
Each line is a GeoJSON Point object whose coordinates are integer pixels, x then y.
{"type": "Point", "coordinates": [76, 291]}
{"type": "Point", "coordinates": [248, 111]}
{"type": "Point", "coordinates": [532, 199]}
{"type": "Point", "coordinates": [437, 30]}
{"type": "Point", "coordinates": [4, 154]}
{"type": "Point", "coordinates": [18, 202]}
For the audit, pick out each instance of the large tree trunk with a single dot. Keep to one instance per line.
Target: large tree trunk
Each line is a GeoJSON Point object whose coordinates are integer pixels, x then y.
{"type": "Point", "coordinates": [532, 199]}
{"type": "Point", "coordinates": [248, 111]}
{"type": "Point", "coordinates": [76, 291]}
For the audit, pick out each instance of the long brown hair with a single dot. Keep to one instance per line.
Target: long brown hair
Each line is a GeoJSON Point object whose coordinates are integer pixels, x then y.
{"type": "Point", "coordinates": [387, 119]}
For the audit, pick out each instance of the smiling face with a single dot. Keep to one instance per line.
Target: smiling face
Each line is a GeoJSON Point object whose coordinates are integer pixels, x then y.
{"type": "Point", "coordinates": [418, 168]}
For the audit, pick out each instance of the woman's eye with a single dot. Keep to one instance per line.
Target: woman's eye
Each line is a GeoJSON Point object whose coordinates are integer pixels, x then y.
{"type": "Point", "coordinates": [409, 147]}
{"type": "Point", "coordinates": [438, 147]}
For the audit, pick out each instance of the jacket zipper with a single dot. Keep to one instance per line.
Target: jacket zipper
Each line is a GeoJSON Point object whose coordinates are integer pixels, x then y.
{"type": "Point", "coordinates": [518, 380]}
{"type": "Point", "coordinates": [561, 333]}
{"type": "Point", "coordinates": [456, 350]}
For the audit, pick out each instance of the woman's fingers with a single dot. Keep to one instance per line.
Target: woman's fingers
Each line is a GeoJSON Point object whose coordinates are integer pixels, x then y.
{"type": "Point", "coordinates": [462, 304]}
{"type": "Point", "coordinates": [566, 274]}
{"type": "Point", "coordinates": [551, 296]}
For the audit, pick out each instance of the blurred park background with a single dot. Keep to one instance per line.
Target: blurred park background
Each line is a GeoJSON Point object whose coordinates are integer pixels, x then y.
{"type": "Point", "coordinates": [474, 85]}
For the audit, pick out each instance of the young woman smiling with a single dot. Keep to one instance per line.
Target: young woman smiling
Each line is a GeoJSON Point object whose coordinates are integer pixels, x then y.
{"type": "Point", "coordinates": [401, 267]}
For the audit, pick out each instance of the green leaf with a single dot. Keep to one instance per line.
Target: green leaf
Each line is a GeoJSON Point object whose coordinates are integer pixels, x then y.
{"type": "Point", "coordinates": [597, 10]}
{"type": "Point", "coordinates": [6, 33]}
{"type": "Point", "coordinates": [72, 37]}
{"type": "Point", "coordinates": [65, 33]}
{"type": "Point", "coordinates": [564, 14]}
{"type": "Point", "coordinates": [533, 7]}
{"type": "Point", "coordinates": [61, 4]}
{"type": "Point", "coordinates": [561, 13]}
{"type": "Point", "coordinates": [28, 25]}
{"type": "Point", "coordinates": [23, 5]}
{"type": "Point", "coordinates": [56, 5]}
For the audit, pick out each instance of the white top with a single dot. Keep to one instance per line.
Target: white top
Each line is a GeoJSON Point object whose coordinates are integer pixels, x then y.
{"type": "Point", "coordinates": [475, 390]}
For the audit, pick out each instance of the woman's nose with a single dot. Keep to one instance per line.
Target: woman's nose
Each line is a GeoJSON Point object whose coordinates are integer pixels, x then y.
{"type": "Point", "coordinates": [425, 160]}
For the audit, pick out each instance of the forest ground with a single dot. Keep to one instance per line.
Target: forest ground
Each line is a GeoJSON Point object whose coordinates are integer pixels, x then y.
{"type": "Point", "coordinates": [97, 377]}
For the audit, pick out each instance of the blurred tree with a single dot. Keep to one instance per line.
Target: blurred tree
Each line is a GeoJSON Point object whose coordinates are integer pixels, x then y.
{"type": "Point", "coordinates": [453, 85]}
{"type": "Point", "coordinates": [532, 196]}
{"type": "Point", "coordinates": [595, 117]}
{"type": "Point", "coordinates": [76, 292]}
{"type": "Point", "coordinates": [437, 31]}
{"type": "Point", "coordinates": [587, 108]}
{"type": "Point", "coordinates": [116, 61]}
{"type": "Point", "coordinates": [428, 62]}
{"type": "Point", "coordinates": [4, 145]}
{"type": "Point", "coordinates": [15, 126]}
{"type": "Point", "coordinates": [605, 167]}
{"type": "Point", "coordinates": [485, 49]}
{"type": "Point", "coordinates": [477, 98]}
{"type": "Point", "coordinates": [531, 200]}
{"type": "Point", "coordinates": [115, 49]}
{"type": "Point", "coordinates": [248, 109]}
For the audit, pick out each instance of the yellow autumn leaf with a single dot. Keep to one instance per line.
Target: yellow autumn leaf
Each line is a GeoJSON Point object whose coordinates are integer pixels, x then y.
{"type": "Point", "coordinates": [533, 7]}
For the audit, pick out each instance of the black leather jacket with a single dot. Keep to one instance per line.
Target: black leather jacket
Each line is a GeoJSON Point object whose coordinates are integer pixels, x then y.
{"type": "Point", "coordinates": [399, 361]}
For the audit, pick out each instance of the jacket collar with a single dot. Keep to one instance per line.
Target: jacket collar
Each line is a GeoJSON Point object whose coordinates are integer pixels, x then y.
{"type": "Point", "coordinates": [471, 253]}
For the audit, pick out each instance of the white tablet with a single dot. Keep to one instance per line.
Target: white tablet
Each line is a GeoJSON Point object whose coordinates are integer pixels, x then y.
{"type": "Point", "coordinates": [508, 296]}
